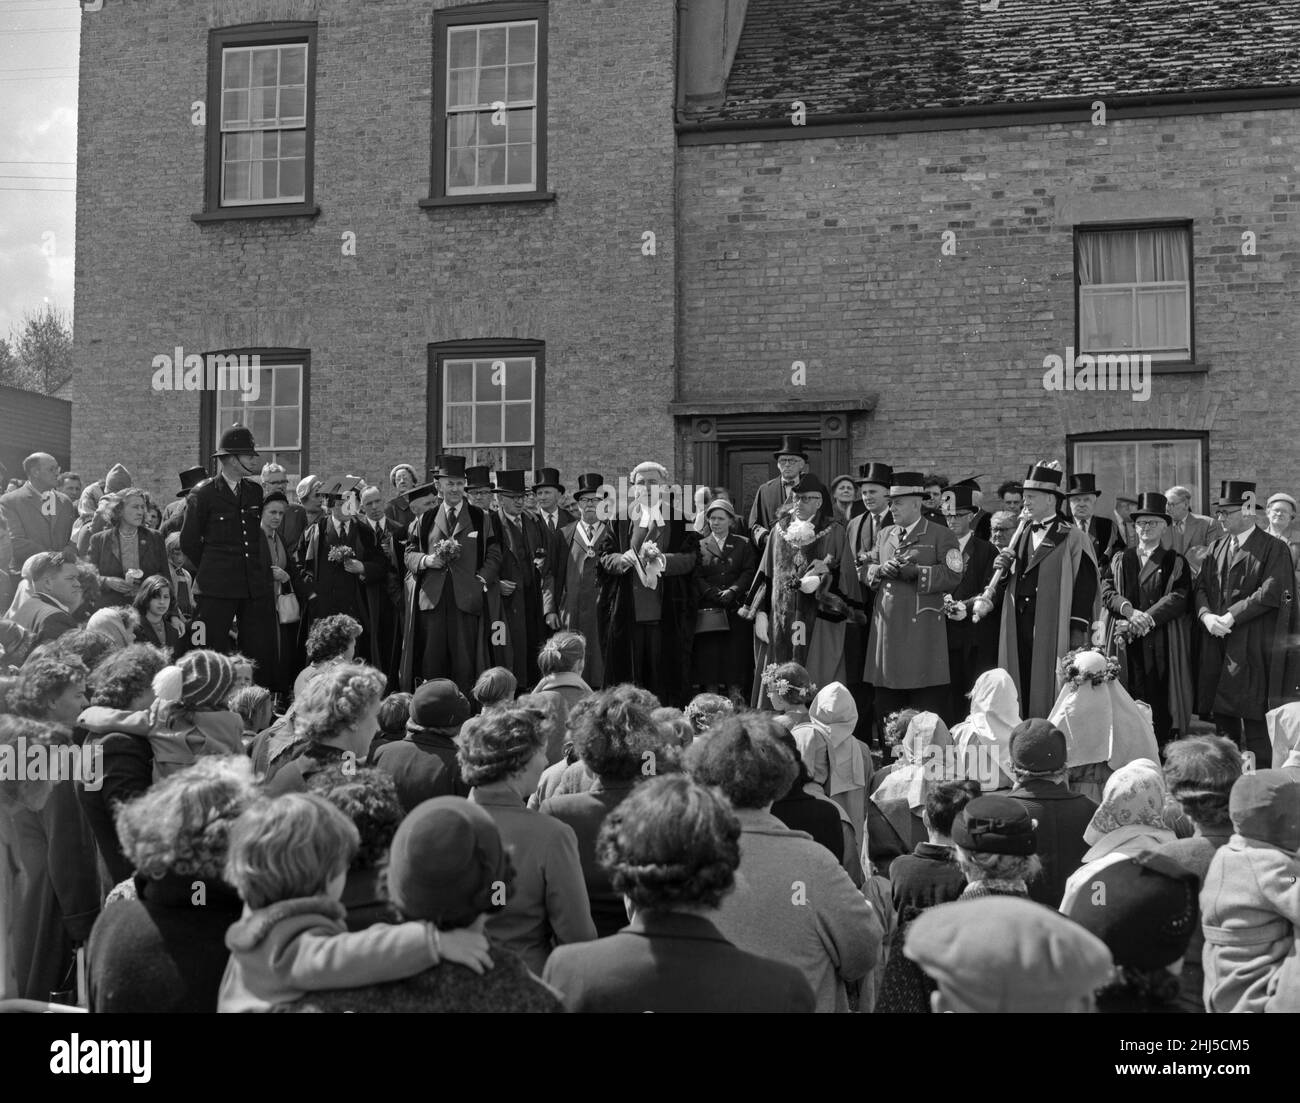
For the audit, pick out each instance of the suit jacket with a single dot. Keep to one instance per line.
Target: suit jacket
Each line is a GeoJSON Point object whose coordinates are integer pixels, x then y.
{"type": "Point", "coordinates": [1101, 531]}
{"type": "Point", "coordinates": [1193, 542]}
{"type": "Point", "coordinates": [1145, 589]}
{"type": "Point", "coordinates": [768, 506]}
{"type": "Point", "coordinates": [295, 523]}
{"type": "Point", "coordinates": [982, 525]}
{"type": "Point", "coordinates": [31, 530]}
{"type": "Point", "coordinates": [672, 961]}
{"type": "Point", "coordinates": [480, 555]}
{"type": "Point", "coordinates": [908, 645]}
{"type": "Point", "coordinates": [43, 618]}
{"type": "Point", "coordinates": [222, 537]}
{"type": "Point", "coordinates": [105, 556]}
{"type": "Point", "coordinates": [863, 529]}
{"type": "Point", "coordinates": [977, 569]}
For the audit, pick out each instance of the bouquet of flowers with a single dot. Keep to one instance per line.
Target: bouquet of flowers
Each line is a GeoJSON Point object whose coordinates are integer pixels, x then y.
{"type": "Point", "coordinates": [341, 553]}
{"type": "Point", "coordinates": [447, 550]}
{"type": "Point", "coordinates": [1087, 665]}
{"type": "Point", "coordinates": [650, 552]}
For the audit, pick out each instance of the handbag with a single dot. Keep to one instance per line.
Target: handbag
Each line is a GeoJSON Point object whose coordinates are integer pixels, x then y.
{"type": "Point", "coordinates": [711, 620]}
{"type": "Point", "coordinates": [287, 608]}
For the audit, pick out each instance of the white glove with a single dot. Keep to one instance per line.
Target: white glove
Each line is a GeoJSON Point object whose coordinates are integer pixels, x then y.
{"type": "Point", "coordinates": [760, 627]}
{"type": "Point", "coordinates": [809, 583]}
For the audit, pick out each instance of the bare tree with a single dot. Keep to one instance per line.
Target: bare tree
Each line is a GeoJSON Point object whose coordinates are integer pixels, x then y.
{"type": "Point", "coordinates": [43, 344]}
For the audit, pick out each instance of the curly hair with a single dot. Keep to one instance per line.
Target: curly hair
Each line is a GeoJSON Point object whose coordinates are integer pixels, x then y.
{"type": "Point", "coordinates": [1199, 772]}
{"type": "Point", "coordinates": [330, 637]}
{"type": "Point", "coordinates": [979, 865]}
{"type": "Point", "coordinates": [124, 675]}
{"type": "Point", "coordinates": [562, 653]}
{"type": "Point", "coordinates": [612, 731]}
{"type": "Point", "coordinates": [114, 517]}
{"type": "Point", "coordinates": [182, 825]}
{"type": "Point", "coordinates": [335, 699]}
{"type": "Point", "coordinates": [150, 588]}
{"type": "Point", "coordinates": [496, 744]}
{"type": "Point", "coordinates": [369, 799]}
{"type": "Point", "coordinates": [706, 709]}
{"type": "Point", "coordinates": [288, 847]}
{"type": "Point", "coordinates": [672, 843]}
{"type": "Point", "coordinates": [745, 758]}
{"type": "Point", "coordinates": [393, 715]}
{"type": "Point", "coordinates": [42, 680]}
{"type": "Point", "coordinates": [91, 647]}
{"type": "Point", "coordinates": [248, 703]}
{"type": "Point", "coordinates": [790, 681]}
{"type": "Point", "coordinates": [551, 717]}
{"type": "Point", "coordinates": [91, 591]}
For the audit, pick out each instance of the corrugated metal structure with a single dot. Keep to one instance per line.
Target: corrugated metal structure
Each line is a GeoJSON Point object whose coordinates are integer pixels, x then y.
{"type": "Point", "coordinates": [32, 422]}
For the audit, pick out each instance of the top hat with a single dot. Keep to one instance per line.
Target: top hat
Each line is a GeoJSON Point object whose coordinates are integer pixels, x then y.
{"type": "Point", "coordinates": [790, 446]}
{"type": "Point", "coordinates": [547, 476]}
{"type": "Point", "coordinates": [907, 482]}
{"type": "Point", "coordinates": [236, 441]}
{"type": "Point", "coordinates": [958, 499]}
{"type": "Point", "coordinates": [1152, 505]}
{"type": "Point", "coordinates": [1234, 492]}
{"type": "Point", "coordinates": [190, 478]}
{"type": "Point", "coordinates": [510, 482]}
{"type": "Point", "coordinates": [971, 484]}
{"type": "Point", "coordinates": [879, 473]}
{"type": "Point", "coordinates": [590, 483]}
{"type": "Point", "coordinates": [1083, 483]}
{"type": "Point", "coordinates": [478, 478]}
{"type": "Point", "coordinates": [1042, 477]}
{"type": "Point", "coordinates": [449, 467]}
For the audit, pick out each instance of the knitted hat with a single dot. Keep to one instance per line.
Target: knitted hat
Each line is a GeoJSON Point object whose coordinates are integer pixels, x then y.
{"type": "Point", "coordinates": [1038, 747]}
{"type": "Point", "coordinates": [198, 680]}
{"type": "Point", "coordinates": [1005, 953]}
{"type": "Point", "coordinates": [117, 479]}
{"type": "Point", "coordinates": [995, 825]}
{"type": "Point", "coordinates": [1143, 908]}
{"type": "Point", "coordinates": [446, 863]}
{"type": "Point", "coordinates": [438, 704]}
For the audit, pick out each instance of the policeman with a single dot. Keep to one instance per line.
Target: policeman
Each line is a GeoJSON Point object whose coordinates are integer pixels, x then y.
{"type": "Point", "coordinates": [222, 537]}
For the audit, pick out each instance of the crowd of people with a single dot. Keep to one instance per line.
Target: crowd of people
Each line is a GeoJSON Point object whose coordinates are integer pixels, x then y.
{"type": "Point", "coordinates": [478, 743]}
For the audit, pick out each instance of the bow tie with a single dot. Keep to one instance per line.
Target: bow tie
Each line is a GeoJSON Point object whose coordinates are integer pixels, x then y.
{"type": "Point", "coordinates": [1039, 526]}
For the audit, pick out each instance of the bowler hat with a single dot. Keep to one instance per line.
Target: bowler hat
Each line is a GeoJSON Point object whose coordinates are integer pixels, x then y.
{"type": "Point", "coordinates": [438, 703]}
{"type": "Point", "coordinates": [444, 862]}
{"type": "Point", "coordinates": [790, 446]}
{"type": "Point", "coordinates": [879, 473]}
{"type": "Point", "coordinates": [590, 483]}
{"type": "Point", "coordinates": [1152, 504]}
{"type": "Point", "coordinates": [995, 825]}
{"type": "Point", "coordinates": [724, 505]}
{"type": "Point", "coordinates": [907, 482]}
{"type": "Point", "coordinates": [1038, 747]}
{"type": "Point", "coordinates": [236, 441]}
{"type": "Point", "coordinates": [190, 478]}
{"type": "Point", "coordinates": [1043, 477]}
{"type": "Point", "coordinates": [478, 478]}
{"type": "Point", "coordinates": [1143, 908]}
{"type": "Point", "coordinates": [1234, 491]}
{"type": "Point", "coordinates": [510, 482]}
{"type": "Point", "coordinates": [1085, 482]}
{"type": "Point", "coordinates": [548, 477]}
{"type": "Point", "coordinates": [957, 499]}
{"type": "Point", "coordinates": [449, 467]}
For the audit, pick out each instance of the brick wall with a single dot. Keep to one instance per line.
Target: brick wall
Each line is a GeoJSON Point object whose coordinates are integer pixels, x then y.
{"type": "Point", "coordinates": [829, 251]}
{"type": "Point", "coordinates": [569, 273]}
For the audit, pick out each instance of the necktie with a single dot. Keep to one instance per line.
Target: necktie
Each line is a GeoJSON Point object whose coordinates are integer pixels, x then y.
{"type": "Point", "coordinates": [451, 519]}
{"type": "Point", "coordinates": [550, 521]}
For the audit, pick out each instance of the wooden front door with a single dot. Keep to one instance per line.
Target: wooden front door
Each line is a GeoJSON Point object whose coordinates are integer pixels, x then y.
{"type": "Point", "coordinates": [749, 468]}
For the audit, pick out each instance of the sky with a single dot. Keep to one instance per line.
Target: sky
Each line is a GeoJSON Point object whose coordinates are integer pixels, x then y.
{"type": "Point", "coordinates": [39, 47]}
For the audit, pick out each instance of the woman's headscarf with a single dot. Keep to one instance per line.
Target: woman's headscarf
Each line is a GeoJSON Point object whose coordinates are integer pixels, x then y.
{"type": "Point", "coordinates": [835, 712]}
{"type": "Point", "coordinates": [994, 715]}
{"type": "Point", "coordinates": [1102, 723]}
{"type": "Point", "coordinates": [1134, 797]}
{"type": "Point", "coordinates": [918, 767]}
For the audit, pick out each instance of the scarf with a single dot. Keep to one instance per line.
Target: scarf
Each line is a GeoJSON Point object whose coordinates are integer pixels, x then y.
{"type": "Point", "coordinates": [994, 715]}
{"type": "Point", "coordinates": [1134, 797]}
{"type": "Point", "coordinates": [915, 773]}
{"type": "Point", "coordinates": [1104, 724]}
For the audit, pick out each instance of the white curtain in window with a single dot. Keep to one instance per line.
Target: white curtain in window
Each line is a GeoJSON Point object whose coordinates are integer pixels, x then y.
{"type": "Point", "coordinates": [1133, 256]}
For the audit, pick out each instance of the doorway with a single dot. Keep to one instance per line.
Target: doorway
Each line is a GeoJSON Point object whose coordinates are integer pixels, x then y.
{"type": "Point", "coordinates": [748, 467]}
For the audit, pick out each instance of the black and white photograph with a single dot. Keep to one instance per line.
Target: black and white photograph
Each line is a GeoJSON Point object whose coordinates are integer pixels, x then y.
{"type": "Point", "coordinates": [676, 506]}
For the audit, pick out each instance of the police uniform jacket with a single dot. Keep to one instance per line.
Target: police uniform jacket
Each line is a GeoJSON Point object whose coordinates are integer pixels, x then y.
{"type": "Point", "coordinates": [222, 537]}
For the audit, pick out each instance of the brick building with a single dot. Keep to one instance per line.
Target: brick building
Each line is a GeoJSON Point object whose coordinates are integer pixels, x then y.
{"type": "Point", "coordinates": [873, 223]}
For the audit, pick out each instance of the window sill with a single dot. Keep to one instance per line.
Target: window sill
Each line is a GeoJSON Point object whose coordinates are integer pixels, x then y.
{"type": "Point", "coordinates": [1179, 367]}
{"type": "Point", "coordinates": [276, 210]}
{"type": "Point", "coordinates": [493, 197]}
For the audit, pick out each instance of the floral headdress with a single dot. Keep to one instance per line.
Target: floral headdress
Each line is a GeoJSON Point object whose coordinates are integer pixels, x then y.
{"type": "Point", "coordinates": [783, 687]}
{"type": "Point", "coordinates": [1086, 665]}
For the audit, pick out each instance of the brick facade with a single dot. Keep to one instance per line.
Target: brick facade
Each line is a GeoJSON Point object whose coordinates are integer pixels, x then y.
{"type": "Point", "coordinates": [569, 273]}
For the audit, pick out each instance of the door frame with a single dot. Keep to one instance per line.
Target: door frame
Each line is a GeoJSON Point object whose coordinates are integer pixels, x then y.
{"type": "Point", "coordinates": [710, 436]}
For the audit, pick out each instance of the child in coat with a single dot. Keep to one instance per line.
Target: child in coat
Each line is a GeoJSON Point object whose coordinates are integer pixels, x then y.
{"type": "Point", "coordinates": [289, 859]}
{"type": "Point", "coordinates": [1250, 902]}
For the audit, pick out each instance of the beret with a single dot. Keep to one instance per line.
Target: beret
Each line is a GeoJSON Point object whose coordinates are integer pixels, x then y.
{"type": "Point", "coordinates": [995, 825]}
{"type": "Point", "coordinates": [1038, 747]}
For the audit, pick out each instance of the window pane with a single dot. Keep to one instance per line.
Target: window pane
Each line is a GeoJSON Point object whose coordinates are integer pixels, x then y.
{"type": "Point", "coordinates": [293, 103]}
{"type": "Point", "coordinates": [268, 144]}
{"type": "Point", "coordinates": [520, 86]}
{"type": "Point", "coordinates": [484, 388]}
{"type": "Point", "coordinates": [519, 421]}
{"type": "Point", "coordinates": [520, 125]}
{"type": "Point", "coordinates": [270, 179]}
{"type": "Point", "coordinates": [235, 181]}
{"type": "Point", "coordinates": [293, 180]}
{"type": "Point", "coordinates": [234, 109]}
{"type": "Point", "coordinates": [1139, 467]}
{"type": "Point", "coordinates": [284, 428]}
{"type": "Point", "coordinates": [239, 147]}
{"type": "Point", "coordinates": [263, 105]}
{"type": "Point", "coordinates": [520, 169]}
{"type": "Point", "coordinates": [462, 47]}
{"type": "Point", "coordinates": [258, 419]}
{"type": "Point", "coordinates": [492, 46]}
{"type": "Point", "coordinates": [492, 85]}
{"type": "Point", "coordinates": [462, 86]}
{"type": "Point", "coordinates": [523, 40]}
{"type": "Point", "coordinates": [287, 386]}
{"type": "Point", "coordinates": [293, 143]}
{"type": "Point", "coordinates": [235, 74]}
{"type": "Point", "coordinates": [1105, 319]}
{"type": "Point", "coordinates": [265, 397]}
{"type": "Point", "coordinates": [519, 459]}
{"type": "Point", "coordinates": [265, 67]}
{"type": "Point", "coordinates": [293, 65]}
{"type": "Point", "coordinates": [491, 168]}
{"type": "Point", "coordinates": [460, 168]}
{"type": "Point", "coordinates": [1162, 319]}
{"type": "Point", "coordinates": [489, 133]}
{"type": "Point", "coordinates": [458, 380]}
{"type": "Point", "coordinates": [519, 379]}
{"type": "Point", "coordinates": [458, 426]}
{"type": "Point", "coordinates": [487, 424]}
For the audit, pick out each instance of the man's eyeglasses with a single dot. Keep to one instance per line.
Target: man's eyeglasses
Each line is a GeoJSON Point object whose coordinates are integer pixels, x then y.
{"type": "Point", "coordinates": [1220, 514]}
{"type": "Point", "coordinates": [1148, 522]}
{"type": "Point", "coordinates": [808, 499]}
